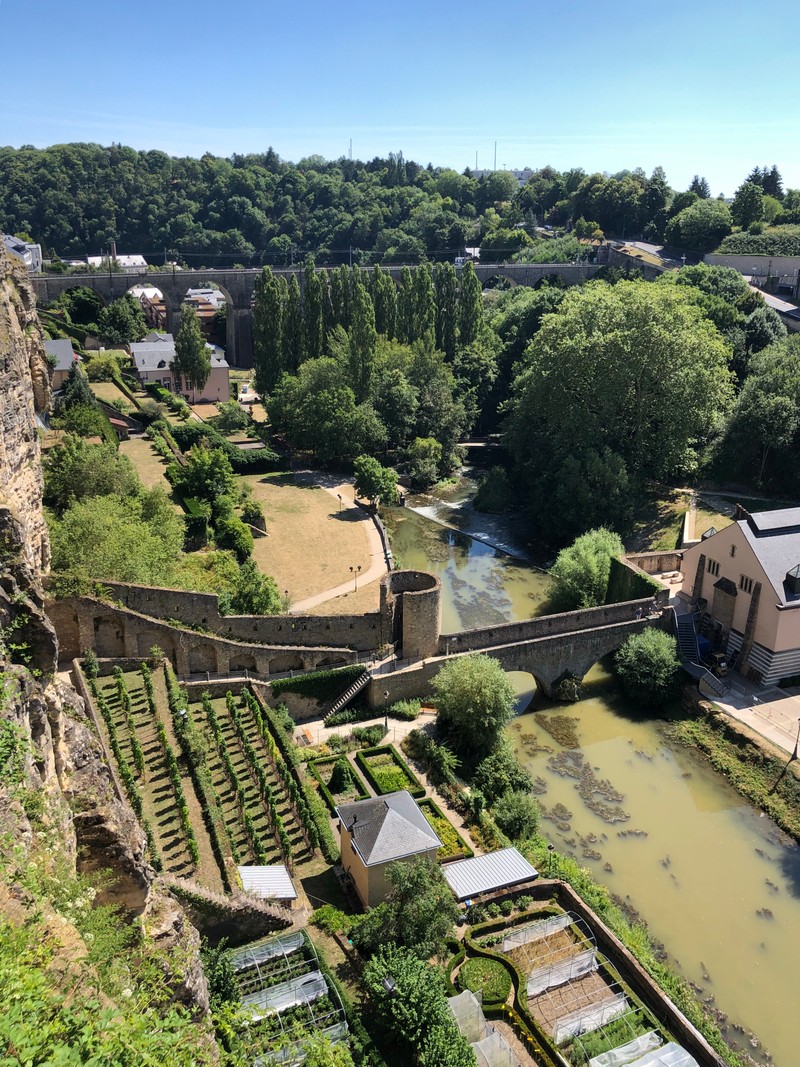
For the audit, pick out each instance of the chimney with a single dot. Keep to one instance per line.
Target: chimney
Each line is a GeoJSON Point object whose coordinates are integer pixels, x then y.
{"type": "Point", "coordinates": [113, 250]}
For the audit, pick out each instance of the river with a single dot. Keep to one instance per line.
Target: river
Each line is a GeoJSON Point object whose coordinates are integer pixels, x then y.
{"type": "Point", "coordinates": [716, 882]}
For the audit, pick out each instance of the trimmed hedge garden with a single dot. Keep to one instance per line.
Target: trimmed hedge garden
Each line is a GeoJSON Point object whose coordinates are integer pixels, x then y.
{"type": "Point", "coordinates": [331, 773]}
{"type": "Point", "coordinates": [489, 977]}
{"type": "Point", "coordinates": [453, 844]}
{"type": "Point", "coordinates": [386, 772]}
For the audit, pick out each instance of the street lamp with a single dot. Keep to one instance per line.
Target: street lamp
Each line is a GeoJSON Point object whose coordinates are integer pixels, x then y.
{"type": "Point", "coordinates": [796, 741]}
{"type": "Point", "coordinates": [355, 571]}
{"type": "Point", "coordinates": [551, 849]}
{"type": "Point", "coordinates": [340, 502]}
{"type": "Point", "coordinates": [390, 985]}
{"type": "Point", "coordinates": [386, 710]}
{"type": "Point", "coordinates": [683, 259]}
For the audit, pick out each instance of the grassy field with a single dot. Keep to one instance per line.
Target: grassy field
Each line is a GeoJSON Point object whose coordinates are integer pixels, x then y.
{"type": "Point", "coordinates": [310, 545]}
{"type": "Point", "coordinates": [657, 526]}
{"type": "Point", "coordinates": [149, 465]}
{"type": "Point", "coordinates": [109, 392]}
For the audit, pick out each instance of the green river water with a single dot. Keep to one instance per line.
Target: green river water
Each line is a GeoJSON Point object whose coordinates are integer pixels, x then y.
{"type": "Point", "coordinates": [715, 880]}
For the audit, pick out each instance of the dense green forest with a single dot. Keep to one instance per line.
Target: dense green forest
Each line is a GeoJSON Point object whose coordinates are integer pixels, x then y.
{"type": "Point", "coordinates": [258, 209]}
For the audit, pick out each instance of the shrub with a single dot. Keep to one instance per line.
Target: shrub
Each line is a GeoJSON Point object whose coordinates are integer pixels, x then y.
{"type": "Point", "coordinates": [485, 976]}
{"type": "Point", "coordinates": [369, 736]}
{"type": "Point", "coordinates": [233, 534]}
{"type": "Point", "coordinates": [648, 667]}
{"type": "Point", "coordinates": [517, 815]}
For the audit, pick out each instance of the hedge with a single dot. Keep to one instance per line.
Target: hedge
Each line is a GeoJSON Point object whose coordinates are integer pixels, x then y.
{"type": "Point", "coordinates": [243, 461]}
{"type": "Point", "coordinates": [313, 767]}
{"type": "Point", "coordinates": [463, 851]}
{"type": "Point", "coordinates": [323, 686]}
{"type": "Point", "coordinates": [413, 784]}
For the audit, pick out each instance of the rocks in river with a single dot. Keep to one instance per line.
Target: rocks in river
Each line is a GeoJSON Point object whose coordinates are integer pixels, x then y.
{"type": "Point", "coordinates": [771, 886]}
{"type": "Point", "coordinates": [564, 728]}
{"type": "Point", "coordinates": [608, 868]}
{"type": "Point", "coordinates": [764, 913]}
{"type": "Point", "coordinates": [666, 862]}
{"type": "Point", "coordinates": [632, 833]}
{"type": "Point", "coordinates": [539, 787]}
{"type": "Point", "coordinates": [591, 854]}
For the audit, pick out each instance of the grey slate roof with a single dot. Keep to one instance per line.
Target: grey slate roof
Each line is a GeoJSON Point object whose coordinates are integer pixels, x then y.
{"type": "Point", "coordinates": [388, 828]}
{"type": "Point", "coordinates": [774, 537]}
{"type": "Point", "coordinates": [62, 349]}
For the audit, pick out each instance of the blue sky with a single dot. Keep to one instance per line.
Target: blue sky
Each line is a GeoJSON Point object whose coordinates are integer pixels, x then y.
{"type": "Point", "coordinates": [705, 87]}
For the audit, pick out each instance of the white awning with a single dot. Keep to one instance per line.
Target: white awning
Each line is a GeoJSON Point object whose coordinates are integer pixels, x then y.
{"type": "Point", "coordinates": [482, 874]}
{"type": "Point", "coordinates": [269, 883]}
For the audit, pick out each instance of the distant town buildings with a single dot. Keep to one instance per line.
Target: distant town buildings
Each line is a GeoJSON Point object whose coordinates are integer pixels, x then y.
{"type": "Point", "coordinates": [63, 357]}
{"type": "Point", "coordinates": [153, 358]}
{"type": "Point", "coordinates": [30, 254]}
{"type": "Point", "coordinates": [129, 264]}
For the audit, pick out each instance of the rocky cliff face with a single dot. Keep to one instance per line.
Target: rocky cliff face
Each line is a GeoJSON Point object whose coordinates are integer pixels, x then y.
{"type": "Point", "coordinates": [63, 805]}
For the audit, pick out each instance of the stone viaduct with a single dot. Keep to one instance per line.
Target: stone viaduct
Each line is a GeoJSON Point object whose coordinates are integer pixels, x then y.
{"type": "Point", "coordinates": [404, 635]}
{"type": "Point", "coordinates": [238, 287]}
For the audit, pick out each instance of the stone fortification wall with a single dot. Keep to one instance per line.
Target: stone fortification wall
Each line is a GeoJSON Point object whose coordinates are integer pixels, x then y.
{"type": "Point", "coordinates": [116, 632]}
{"type": "Point", "coordinates": [655, 562]}
{"type": "Point", "coordinates": [361, 633]}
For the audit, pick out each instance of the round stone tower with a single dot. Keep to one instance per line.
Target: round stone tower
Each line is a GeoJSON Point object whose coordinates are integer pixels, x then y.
{"type": "Point", "coordinates": [411, 602]}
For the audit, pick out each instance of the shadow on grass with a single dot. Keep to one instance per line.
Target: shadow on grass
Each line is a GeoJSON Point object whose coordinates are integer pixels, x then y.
{"type": "Point", "coordinates": [324, 888]}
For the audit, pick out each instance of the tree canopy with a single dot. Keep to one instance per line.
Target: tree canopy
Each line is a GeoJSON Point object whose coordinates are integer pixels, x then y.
{"type": "Point", "coordinates": [192, 364]}
{"type": "Point", "coordinates": [648, 667]}
{"type": "Point", "coordinates": [475, 700]}
{"type": "Point", "coordinates": [583, 569]}
{"type": "Point", "coordinates": [616, 388]}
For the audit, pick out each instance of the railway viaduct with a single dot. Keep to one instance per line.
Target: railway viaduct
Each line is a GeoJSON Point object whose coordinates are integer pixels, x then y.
{"type": "Point", "coordinates": [238, 287]}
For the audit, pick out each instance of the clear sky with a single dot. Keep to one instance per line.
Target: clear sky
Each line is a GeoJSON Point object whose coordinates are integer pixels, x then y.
{"type": "Point", "coordinates": [707, 86]}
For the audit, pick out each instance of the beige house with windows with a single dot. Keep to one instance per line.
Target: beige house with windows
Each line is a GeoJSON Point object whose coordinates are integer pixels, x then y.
{"type": "Point", "coordinates": [745, 580]}
{"type": "Point", "coordinates": [378, 832]}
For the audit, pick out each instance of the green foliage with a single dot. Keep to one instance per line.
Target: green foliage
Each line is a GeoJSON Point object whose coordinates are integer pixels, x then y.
{"type": "Point", "coordinates": [453, 844]}
{"type": "Point", "coordinates": [103, 367]}
{"type": "Point", "coordinates": [583, 569]}
{"type": "Point", "coordinates": [254, 593]}
{"type": "Point", "coordinates": [495, 493]}
{"type": "Point", "coordinates": [332, 920]}
{"type": "Point", "coordinates": [192, 363]}
{"type": "Point", "coordinates": [648, 667]}
{"type": "Point", "coordinates": [13, 748]}
{"type": "Point", "coordinates": [220, 975]}
{"type": "Point", "coordinates": [231, 417]}
{"type": "Point", "coordinates": [375, 482]}
{"type": "Point", "coordinates": [500, 773]}
{"type": "Point", "coordinates": [319, 685]}
{"type": "Point", "coordinates": [122, 321]}
{"type": "Point", "coordinates": [517, 814]}
{"type": "Point", "coordinates": [475, 701]}
{"type": "Point", "coordinates": [418, 915]}
{"type": "Point", "coordinates": [617, 388]}
{"type": "Point", "coordinates": [242, 461]}
{"type": "Point", "coordinates": [425, 460]}
{"type": "Point", "coordinates": [701, 226]}
{"type": "Point", "coordinates": [415, 1015]}
{"type": "Point", "coordinates": [75, 470]}
{"type": "Point", "coordinates": [386, 772]}
{"type": "Point", "coordinates": [748, 205]}
{"type": "Point", "coordinates": [132, 539]}
{"type": "Point", "coordinates": [233, 534]}
{"type": "Point", "coordinates": [207, 475]}
{"type": "Point", "coordinates": [485, 976]}
{"type": "Point", "coordinates": [775, 241]}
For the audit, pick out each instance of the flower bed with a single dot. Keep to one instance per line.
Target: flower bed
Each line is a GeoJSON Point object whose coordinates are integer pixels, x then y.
{"type": "Point", "coordinates": [386, 772]}
{"type": "Point", "coordinates": [453, 844]}
{"type": "Point", "coordinates": [323, 770]}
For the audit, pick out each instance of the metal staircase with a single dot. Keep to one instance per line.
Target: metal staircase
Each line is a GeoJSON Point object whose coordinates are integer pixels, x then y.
{"type": "Point", "coordinates": [360, 683]}
{"type": "Point", "coordinates": [687, 638]}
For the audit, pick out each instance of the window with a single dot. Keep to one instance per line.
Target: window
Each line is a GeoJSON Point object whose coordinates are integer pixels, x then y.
{"type": "Point", "coordinates": [713, 567]}
{"type": "Point", "coordinates": [746, 584]}
{"type": "Point", "coordinates": [733, 551]}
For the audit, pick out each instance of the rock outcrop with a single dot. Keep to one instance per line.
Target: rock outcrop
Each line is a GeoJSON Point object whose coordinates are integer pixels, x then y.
{"type": "Point", "coordinates": [70, 801]}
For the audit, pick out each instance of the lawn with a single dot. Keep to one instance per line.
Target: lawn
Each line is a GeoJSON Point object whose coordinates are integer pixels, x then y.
{"type": "Point", "coordinates": [311, 545]}
{"type": "Point", "coordinates": [109, 392]}
{"type": "Point", "coordinates": [149, 465]}
{"type": "Point", "coordinates": [657, 525]}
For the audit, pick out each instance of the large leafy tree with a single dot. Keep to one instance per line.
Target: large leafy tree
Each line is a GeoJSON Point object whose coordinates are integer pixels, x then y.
{"type": "Point", "coordinates": [584, 567]}
{"type": "Point", "coordinates": [748, 204]}
{"type": "Point", "coordinates": [122, 321]}
{"type": "Point", "coordinates": [192, 364]}
{"type": "Point", "coordinates": [649, 668]}
{"type": "Point", "coordinates": [75, 470]}
{"type": "Point", "coordinates": [701, 226]}
{"type": "Point", "coordinates": [374, 481]}
{"type": "Point", "coordinates": [475, 700]}
{"type": "Point", "coordinates": [625, 378]}
{"type": "Point", "coordinates": [470, 305]}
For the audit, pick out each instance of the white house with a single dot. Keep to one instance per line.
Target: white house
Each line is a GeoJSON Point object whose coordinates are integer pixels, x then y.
{"type": "Point", "coordinates": [31, 255]}
{"type": "Point", "coordinates": [153, 359]}
{"type": "Point", "coordinates": [130, 264]}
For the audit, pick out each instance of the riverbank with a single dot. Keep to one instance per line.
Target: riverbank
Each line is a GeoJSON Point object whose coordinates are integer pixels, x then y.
{"type": "Point", "coordinates": [763, 777]}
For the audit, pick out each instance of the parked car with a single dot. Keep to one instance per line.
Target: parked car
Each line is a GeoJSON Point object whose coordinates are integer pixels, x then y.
{"type": "Point", "coordinates": [247, 395]}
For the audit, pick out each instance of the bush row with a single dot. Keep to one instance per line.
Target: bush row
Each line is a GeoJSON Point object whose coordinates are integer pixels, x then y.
{"type": "Point", "coordinates": [191, 746]}
{"type": "Point", "coordinates": [313, 809]}
{"type": "Point", "coordinates": [125, 772]}
{"type": "Point", "coordinates": [323, 686]}
{"type": "Point", "coordinates": [405, 710]}
{"type": "Point", "coordinates": [130, 725]}
{"type": "Point", "coordinates": [243, 460]}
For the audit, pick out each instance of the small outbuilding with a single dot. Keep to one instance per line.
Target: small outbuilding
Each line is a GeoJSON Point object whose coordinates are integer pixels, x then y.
{"type": "Point", "coordinates": [268, 883]}
{"type": "Point", "coordinates": [486, 874]}
{"type": "Point", "coordinates": [380, 831]}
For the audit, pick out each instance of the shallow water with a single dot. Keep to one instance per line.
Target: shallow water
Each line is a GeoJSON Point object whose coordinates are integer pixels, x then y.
{"type": "Point", "coordinates": [715, 881]}
{"type": "Point", "coordinates": [481, 585]}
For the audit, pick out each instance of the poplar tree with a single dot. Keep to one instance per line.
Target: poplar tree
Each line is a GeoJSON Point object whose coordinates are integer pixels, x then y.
{"type": "Point", "coordinates": [405, 308]}
{"type": "Point", "coordinates": [312, 311]}
{"type": "Point", "coordinates": [424, 322]}
{"type": "Point", "coordinates": [384, 299]}
{"type": "Point", "coordinates": [340, 296]}
{"type": "Point", "coordinates": [470, 306]}
{"type": "Point", "coordinates": [268, 313]}
{"type": "Point", "coordinates": [293, 342]}
{"type": "Point", "coordinates": [192, 363]}
{"type": "Point", "coordinates": [446, 286]}
{"type": "Point", "coordinates": [328, 320]}
{"type": "Point", "coordinates": [363, 338]}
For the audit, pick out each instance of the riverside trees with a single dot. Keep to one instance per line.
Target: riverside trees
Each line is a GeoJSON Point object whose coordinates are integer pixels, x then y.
{"type": "Point", "coordinates": [616, 388]}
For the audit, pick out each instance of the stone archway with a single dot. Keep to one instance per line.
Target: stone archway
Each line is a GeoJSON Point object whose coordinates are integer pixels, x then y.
{"type": "Point", "coordinates": [289, 661]}
{"type": "Point", "coordinates": [109, 638]}
{"type": "Point", "coordinates": [202, 659]}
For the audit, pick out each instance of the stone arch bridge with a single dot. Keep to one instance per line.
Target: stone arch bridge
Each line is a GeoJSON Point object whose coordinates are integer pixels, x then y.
{"type": "Point", "coordinates": [238, 287]}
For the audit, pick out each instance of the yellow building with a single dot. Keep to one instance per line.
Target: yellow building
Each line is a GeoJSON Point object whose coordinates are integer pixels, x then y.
{"type": "Point", "coordinates": [746, 581]}
{"type": "Point", "coordinates": [378, 832]}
